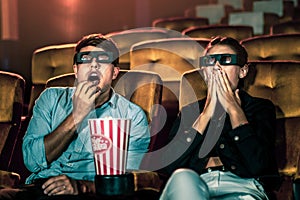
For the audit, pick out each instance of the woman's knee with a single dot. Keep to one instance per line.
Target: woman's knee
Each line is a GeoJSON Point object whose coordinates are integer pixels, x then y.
{"type": "Point", "coordinates": [188, 180]}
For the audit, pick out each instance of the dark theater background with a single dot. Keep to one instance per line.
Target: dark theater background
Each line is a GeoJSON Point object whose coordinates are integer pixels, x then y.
{"type": "Point", "coordinates": [31, 24]}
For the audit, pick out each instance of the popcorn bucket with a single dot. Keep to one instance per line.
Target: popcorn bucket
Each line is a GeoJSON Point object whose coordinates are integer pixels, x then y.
{"type": "Point", "coordinates": [109, 137]}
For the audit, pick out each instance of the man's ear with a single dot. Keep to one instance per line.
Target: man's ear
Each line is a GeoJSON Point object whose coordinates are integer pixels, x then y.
{"type": "Point", "coordinates": [75, 69]}
{"type": "Point", "coordinates": [115, 72]}
{"type": "Point", "coordinates": [244, 71]}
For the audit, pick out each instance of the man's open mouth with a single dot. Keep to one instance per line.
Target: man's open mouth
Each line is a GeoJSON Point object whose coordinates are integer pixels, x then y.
{"type": "Point", "coordinates": [94, 77]}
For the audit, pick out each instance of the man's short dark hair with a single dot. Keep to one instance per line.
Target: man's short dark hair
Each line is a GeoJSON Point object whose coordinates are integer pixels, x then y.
{"type": "Point", "coordinates": [100, 41]}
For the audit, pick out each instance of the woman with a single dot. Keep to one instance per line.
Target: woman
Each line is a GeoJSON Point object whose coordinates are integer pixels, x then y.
{"type": "Point", "coordinates": [224, 151]}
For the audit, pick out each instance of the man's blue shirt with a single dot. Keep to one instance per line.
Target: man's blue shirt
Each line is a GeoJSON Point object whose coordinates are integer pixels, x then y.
{"type": "Point", "coordinates": [51, 108]}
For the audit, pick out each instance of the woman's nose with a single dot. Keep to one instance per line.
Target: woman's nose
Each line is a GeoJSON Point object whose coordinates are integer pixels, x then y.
{"type": "Point", "coordinates": [217, 66]}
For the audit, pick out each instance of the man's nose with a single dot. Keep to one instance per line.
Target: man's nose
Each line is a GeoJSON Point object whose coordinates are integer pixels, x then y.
{"type": "Point", "coordinates": [95, 64]}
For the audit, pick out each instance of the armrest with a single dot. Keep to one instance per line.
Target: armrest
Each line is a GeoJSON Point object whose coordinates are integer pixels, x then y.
{"type": "Point", "coordinates": [147, 180]}
{"type": "Point", "coordinates": [296, 182]}
{"type": "Point", "coordinates": [8, 179]}
{"type": "Point", "coordinates": [297, 175]}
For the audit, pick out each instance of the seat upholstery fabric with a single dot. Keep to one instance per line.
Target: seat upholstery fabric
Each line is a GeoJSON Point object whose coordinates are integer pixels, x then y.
{"type": "Point", "coordinates": [12, 87]}
{"type": "Point", "coordinates": [48, 62]}
{"type": "Point", "coordinates": [238, 32]}
{"type": "Point", "coordinates": [179, 23]}
{"type": "Point", "coordinates": [125, 39]}
{"type": "Point", "coordinates": [279, 82]}
{"type": "Point", "coordinates": [286, 27]}
{"type": "Point", "coordinates": [273, 47]}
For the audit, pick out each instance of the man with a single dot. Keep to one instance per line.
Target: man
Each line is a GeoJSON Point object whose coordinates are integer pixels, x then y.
{"type": "Point", "coordinates": [57, 146]}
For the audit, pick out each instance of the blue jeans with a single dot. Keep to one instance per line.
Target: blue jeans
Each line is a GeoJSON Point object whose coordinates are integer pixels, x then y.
{"type": "Point", "coordinates": [187, 184]}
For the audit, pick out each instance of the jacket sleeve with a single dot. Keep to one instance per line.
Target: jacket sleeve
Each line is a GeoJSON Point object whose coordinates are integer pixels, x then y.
{"type": "Point", "coordinates": [255, 141]}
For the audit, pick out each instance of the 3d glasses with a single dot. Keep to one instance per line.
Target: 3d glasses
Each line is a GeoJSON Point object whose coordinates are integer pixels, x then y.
{"type": "Point", "coordinates": [87, 57]}
{"type": "Point", "coordinates": [224, 59]}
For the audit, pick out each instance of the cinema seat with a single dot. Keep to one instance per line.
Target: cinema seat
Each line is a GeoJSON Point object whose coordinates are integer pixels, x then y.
{"type": "Point", "coordinates": [48, 62]}
{"type": "Point", "coordinates": [179, 23]}
{"type": "Point", "coordinates": [12, 88]}
{"type": "Point", "coordinates": [273, 47]}
{"type": "Point", "coordinates": [125, 39]}
{"type": "Point", "coordinates": [286, 27]}
{"type": "Point", "coordinates": [238, 32]}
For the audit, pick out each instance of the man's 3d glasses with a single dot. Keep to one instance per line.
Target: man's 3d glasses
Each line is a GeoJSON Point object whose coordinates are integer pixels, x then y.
{"type": "Point", "coordinates": [87, 57]}
{"type": "Point", "coordinates": [224, 59]}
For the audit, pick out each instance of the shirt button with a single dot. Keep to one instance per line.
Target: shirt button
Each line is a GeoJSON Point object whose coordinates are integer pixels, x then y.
{"type": "Point", "coordinates": [233, 167]}
{"type": "Point", "coordinates": [186, 131]}
{"type": "Point", "coordinates": [188, 139]}
{"type": "Point", "coordinates": [222, 146]}
{"type": "Point", "coordinates": [236, 138]}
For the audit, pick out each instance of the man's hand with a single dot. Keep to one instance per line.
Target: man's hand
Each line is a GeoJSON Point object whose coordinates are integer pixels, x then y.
{"type": "Point", "coordinates": [84, 99]}
{"type": "Point", "coordinates": [60, 185]}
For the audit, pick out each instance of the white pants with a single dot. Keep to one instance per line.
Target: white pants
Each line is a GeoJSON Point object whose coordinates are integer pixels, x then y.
{"type": "Point", "coordinates": [186, 184]}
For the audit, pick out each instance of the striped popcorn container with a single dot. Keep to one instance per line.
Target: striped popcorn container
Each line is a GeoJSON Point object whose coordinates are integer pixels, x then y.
{"type": "Point", "coordinates": [109, 137]}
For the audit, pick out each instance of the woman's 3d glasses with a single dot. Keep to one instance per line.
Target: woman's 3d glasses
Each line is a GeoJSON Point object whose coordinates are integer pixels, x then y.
{"type": "Point", "coordinates": [224, 59]}
{"type": "Point", "coordinates": [87, 57]}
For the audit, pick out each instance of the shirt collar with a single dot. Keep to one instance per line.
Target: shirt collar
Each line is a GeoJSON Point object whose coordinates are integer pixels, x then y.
{"type": "Point", "coordinates": [113, 99]}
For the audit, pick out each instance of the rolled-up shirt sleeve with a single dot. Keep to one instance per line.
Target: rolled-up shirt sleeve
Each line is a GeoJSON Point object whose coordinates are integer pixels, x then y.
{"type": "Point", "coordinates": [139, 139]}
{"type": "Point", "coordinates": [40, 124]}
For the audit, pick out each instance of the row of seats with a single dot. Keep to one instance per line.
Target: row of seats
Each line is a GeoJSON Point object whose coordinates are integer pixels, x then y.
{"type": "Point", "coordinates": [168, 57]}
{"type": "Point", "coordinates": [199, 26]}
{"type": "Point", "coordinates": [258, 13]}
{"type": "Point", "coordinates": [274, 80]}
{"type": "Point", "coordinates": [57, 59]}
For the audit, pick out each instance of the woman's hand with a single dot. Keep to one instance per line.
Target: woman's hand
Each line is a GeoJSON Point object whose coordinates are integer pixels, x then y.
{"type": "Point", "coordinates": [228, 99]}
{"type": "Point", "coordinates": [210, 104]}
{"type": "Point", "coordinates": [60, 185]}
{"type": "Point", "coordinates": [211, 98]}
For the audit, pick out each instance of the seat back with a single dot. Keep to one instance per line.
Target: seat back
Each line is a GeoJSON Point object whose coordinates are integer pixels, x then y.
{"type": "Point", "coordinates": [12, 87]}
{"type": "Point", "coordinates": [170, 58]}
{"type": "Point", "coordinates": [48, 62]}
{"type": "Point", "coordinates": [286, 27]}
{"type": "Point", "coordinates": [260, 21]}
{"type": "Point", "coordinates": [238, 32]}
{"type": "Point", "coordinates": [179, 23]}
{"type": "Point", "coordinates": [192, 87]}
{"type": "Point", "coordinates": [125, 39]}
{"type": "Point", "coordinates": [279, 82]}
{"type": "Point", "coordinates": [273, 47]}
{"type": "Point", "coordinates": [140, 87]}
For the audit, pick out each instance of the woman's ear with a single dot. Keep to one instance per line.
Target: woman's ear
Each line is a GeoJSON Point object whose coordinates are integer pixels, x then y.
{"type": "Point", "coordinates": [244, 71]}
{"type": "Point", "coordinates": [75, 69]}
